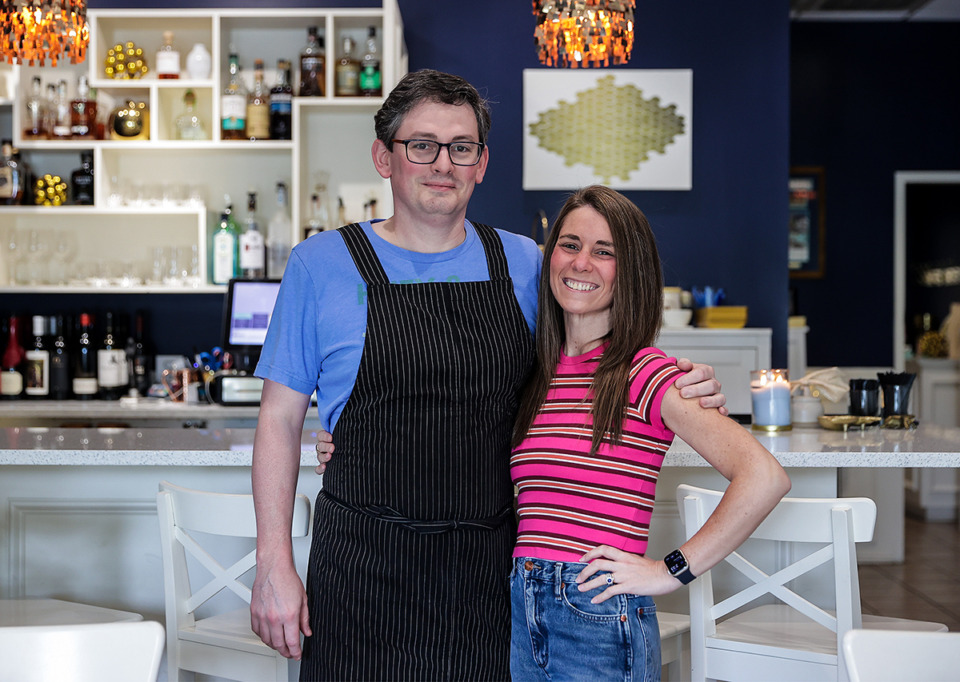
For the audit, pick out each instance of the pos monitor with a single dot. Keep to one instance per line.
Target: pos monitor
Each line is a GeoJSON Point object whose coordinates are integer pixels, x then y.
{"type": "Point", "coordinates": [246, 316]}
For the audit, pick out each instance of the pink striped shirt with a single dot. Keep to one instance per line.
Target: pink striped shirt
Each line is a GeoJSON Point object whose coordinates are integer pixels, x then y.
{"type": "Point", "coordinates": [570, 502]}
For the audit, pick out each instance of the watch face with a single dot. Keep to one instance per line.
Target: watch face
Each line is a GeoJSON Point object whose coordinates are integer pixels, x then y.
{"type": "Point", "coordinates": [675, 561]}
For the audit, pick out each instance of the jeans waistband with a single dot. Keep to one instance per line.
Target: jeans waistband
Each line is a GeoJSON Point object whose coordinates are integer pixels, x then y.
{"type": "Point", "coordinates": [425, 526]}
{"type": "Point", "coordinates": [547, 570]}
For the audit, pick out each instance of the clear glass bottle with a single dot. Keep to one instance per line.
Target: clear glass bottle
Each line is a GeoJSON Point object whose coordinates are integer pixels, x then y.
{"type": "Point", "coordinates": [281, 103]}
{"type": "Point", "coordinates": [313, 66]}
{"type": "Point", "coordinates": [35, 112]}
{"type": "Point", "coordinates": [348, 71]}
{"type": "Point", "coordinates": [61, 124]}
{"type": "Point", "coordinates": [233, 104]}
{"type": "Point", "coordinates": [85, 361]}
{"type": "Point", "coordinates": [188, 125]}
{"type": "Point", "coordinates": [258, 106]}
{"type": "Point", "coordinates": [36, 375]}
{"type": "Point", "coordinates": [253, 264]}
{"type": "Point", "coordinates": [12, 176]}
{"type": "Point", "coordinates": [59, 359]}
{"type": "Point", "coordinates": [370, 77]}
{"type": "Point", "coordinates": [83, 112]}
{"type": "Point", "coordinates": [81, 180]}
{"type": "Point", "coordinates": [50, 116]}
{"type": "Point", "coordinates": [168, 58]}
{"type": "Point", "coordinates": [112, 374]}
{"type": "Point", "coordinates": [11, 363]}
{"type": "Point", "coordinates": [225, 248]}
{"type": "Point", "coordinates": [279, 235]}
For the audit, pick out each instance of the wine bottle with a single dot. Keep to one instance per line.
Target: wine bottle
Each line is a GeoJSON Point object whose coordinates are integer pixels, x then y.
{"type": "Point", "coordinates": [11, 364]}
{"type": "Point", "coordinates": [37, 362]}
{"type": "Point", "coordinates": [85, 361]}
{"type": "Point", "coordinates": [111, 363]}
{"type": "Point", "coordinates": [143, 359]}
{"type": "Point", "coordinates": [59, 359]}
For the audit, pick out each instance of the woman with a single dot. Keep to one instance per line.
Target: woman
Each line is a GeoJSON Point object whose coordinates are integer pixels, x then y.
{"type": "Point", "coordinates": [593, 427]}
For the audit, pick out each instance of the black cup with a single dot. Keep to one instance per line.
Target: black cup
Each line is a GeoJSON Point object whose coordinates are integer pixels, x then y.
{"type": "Point", "coordinates": [864, 397]}
{"type": "Point", "coordinates": [896, 399]}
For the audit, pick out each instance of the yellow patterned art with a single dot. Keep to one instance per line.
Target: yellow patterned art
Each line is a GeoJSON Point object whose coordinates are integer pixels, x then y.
{"type": "Point", "coordinates": [628, 129]}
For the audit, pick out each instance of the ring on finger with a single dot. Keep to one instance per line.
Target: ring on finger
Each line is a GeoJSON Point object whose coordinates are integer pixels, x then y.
{"type": "Point", "coordinates": [609, 579]}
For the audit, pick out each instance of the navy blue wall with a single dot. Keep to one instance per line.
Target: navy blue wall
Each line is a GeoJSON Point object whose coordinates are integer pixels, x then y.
{"type": "Point", "coordinates": [867, 100]}
{"type": "Point", "coordinates": [729, 230]}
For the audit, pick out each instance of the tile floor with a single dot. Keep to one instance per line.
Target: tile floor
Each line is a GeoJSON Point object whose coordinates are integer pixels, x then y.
{"type": "Point", "coordinates": [926, 586]}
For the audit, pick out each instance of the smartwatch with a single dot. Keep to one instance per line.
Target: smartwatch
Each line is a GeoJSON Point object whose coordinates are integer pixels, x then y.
{"type": "Point", "coordinates": [678, 567]}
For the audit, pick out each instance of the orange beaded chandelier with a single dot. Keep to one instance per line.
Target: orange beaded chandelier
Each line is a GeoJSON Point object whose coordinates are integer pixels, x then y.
{"type": "Point", "coordinates": [36, 30]}
{"type": "Point", "coordinates": [575, 33]}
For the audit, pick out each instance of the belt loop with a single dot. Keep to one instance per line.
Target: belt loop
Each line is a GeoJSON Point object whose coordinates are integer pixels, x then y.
{"type": "Point", "coordinates": [557, 580]}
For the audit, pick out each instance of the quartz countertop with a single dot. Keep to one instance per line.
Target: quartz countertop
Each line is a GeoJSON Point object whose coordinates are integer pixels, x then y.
{"type": "Point", "coordinates": [928, 446]}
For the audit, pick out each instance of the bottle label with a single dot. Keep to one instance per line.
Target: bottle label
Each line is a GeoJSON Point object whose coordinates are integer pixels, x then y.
{"type": "Point", "coordinates": [11, 383]}
{"type": "Point", "coordinates": [37, 379]}
{"type": "Point", "coordinates": [233, 112]}
{"type": "Point", "coordinates": [258, 122]}
{"type": "Point", "coordinates": [7, 189]}
{"type": "Point", "coordinates": [224, 265]}
{"type": "Point", "coordinates": [168, 63]}
{"type": "Point", "coordinates": [251, 251]}
{"type": "Point", "coordinates": [111, 367]}
{"type": "Point", "coordinates": [281, 102]}
{"type": "Point", "coordinates": [370, 80]}
{"type": "Point", "coordinates": [348, 80]}
{"type": "Point", "coordinates": [85, 386]}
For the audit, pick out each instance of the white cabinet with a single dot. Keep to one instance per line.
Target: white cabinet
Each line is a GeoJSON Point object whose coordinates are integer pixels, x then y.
{"type": "Point", "coordinates": [163, 193]}
{"type": "Point", "coordinates": [733, 353]}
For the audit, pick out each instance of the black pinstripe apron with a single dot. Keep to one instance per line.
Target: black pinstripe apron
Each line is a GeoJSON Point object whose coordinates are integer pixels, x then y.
{"type": "Point", "coordinates": [409, 565]}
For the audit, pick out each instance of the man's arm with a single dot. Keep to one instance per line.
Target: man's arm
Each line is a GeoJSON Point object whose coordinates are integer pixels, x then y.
{"type": "Point", "coordinates": [278, 607]}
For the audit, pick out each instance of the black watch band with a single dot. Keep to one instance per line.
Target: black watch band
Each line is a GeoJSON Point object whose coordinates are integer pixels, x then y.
{"type": "Point", "coordinates": [678, 566]}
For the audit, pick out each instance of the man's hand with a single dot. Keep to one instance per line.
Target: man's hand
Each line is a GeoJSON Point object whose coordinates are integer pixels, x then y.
{"type": "Point", "coordinates": [700, 382]}
{"type": "Point", "coordinates": [278, 610]}
{"type": "Point", "coordinates": [325, 450]}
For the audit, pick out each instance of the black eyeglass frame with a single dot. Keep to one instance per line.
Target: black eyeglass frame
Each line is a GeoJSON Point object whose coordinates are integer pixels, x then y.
{"type": "Point", "coordinates": [440, 146]}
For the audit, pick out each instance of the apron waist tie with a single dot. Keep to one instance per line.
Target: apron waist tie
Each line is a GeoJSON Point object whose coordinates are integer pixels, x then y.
{"type": "Point", "coordinates": [422, 526]}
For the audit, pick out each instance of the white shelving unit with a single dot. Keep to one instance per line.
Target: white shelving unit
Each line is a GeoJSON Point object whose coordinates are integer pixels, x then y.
{"type": "Point", "coordinates": [331, 138]}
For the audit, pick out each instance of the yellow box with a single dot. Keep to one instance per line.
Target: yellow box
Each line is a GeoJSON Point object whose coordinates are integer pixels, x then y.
{"type": "Point", "coordinates": [722, 316]}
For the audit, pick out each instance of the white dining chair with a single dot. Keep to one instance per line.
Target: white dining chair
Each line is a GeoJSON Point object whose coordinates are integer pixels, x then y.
{"type": "Point", "coordinates": [220, 644]}
{"type": "Point", "coordinates": [898, 655]}
{"type": "Point", "coordinates": [770, 628]}
{"type": "Point", "coordinates": [87, 652]}
{"type": "Point", "coordinates": [674, 645]}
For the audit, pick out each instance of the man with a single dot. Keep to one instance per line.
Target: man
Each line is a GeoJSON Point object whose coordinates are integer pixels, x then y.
{"type": "Point", "coordinates": [416, 333]}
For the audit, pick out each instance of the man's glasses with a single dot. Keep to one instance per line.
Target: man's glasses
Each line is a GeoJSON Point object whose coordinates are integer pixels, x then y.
{"type": "Point", "coordinates": [427, 151]}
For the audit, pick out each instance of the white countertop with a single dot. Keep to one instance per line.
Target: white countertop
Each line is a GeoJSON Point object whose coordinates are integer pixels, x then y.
{"type": "Point", "coordinates": [929, 446]}
{"type": "Point", "coordinates": [155, 408]}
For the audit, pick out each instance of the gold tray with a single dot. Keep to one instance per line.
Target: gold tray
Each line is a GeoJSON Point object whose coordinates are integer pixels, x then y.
{"type": "Point", "coordinates": [843, 422]}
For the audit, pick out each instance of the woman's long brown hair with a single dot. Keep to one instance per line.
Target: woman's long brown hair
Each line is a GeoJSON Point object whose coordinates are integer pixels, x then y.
{"type": "Point", "coordinates": [635, 315]}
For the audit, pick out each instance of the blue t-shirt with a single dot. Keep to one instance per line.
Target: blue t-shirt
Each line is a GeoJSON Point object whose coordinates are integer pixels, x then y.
{"type": "Point", "coordinates": [316, 334]}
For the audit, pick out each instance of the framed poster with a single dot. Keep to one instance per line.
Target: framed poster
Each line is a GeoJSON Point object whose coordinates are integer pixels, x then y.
{"type": "Point", "coordinates": [806, 231]}
{"type": "Point", "coordinates": [629, 129]}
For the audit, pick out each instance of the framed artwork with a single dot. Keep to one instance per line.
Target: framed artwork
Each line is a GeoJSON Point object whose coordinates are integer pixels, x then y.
{"type": "Point", "coordinates": [806, 231]}
{"type": "Point", "coordinates": [629, 129]}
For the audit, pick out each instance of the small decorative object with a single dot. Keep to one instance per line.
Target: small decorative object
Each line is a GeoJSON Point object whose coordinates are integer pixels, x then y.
{"type": "Point", "coordinates": [576, 33]}
{"type": "Point", "coordinates": [844, 422]}
{"type": "Point", "coordinates": [805, 406]}
{"type": "Point", "coordinates": [932, 344]}
{"type": "Point", "coordinates": [900, 421]}
{"type": "Point", "coordinates": [770, 395]}
{"type": "Point", "coordinates": [896, 392]}
{"type": "Point", "coordinates": [130, 121]}
{"type": "Point", "coordinates": [125, 61]}
{"type": "Point", "coordinates": [37, 30]}
{"type": "Point", "coordinates": [864, 397]}
{"type": "Point", "coordinates": [199, 62]}
{"type": "Point", "coordinates": [50, 190]}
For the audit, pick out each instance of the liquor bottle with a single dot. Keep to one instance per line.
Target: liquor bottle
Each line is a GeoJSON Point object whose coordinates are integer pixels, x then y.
{"type": "Point", "coordinates": [12, 176]}
{"type": "Point", "coordinates": [35, 112]}
{"type": "Point", "coordinates": [62, 124]}
{"type": "Point", "coordinates": [258, 106]}
{"type": "Point", "coordinates": [233, 104]}
{"type": "Point", "coordinates": [188, 125]}
{"type": "Point", "coordinates": [281, 103]}
{"type": "Point", "coordinates": [83, 112]}
{"type": "Point", "coordinates": [370, 77]}
{"type": "Point", "coordinates": [319, 219]}
{"type": "Point", "coordinates": [348, 71]}
{"type": "Point", "coordinates": [59, 359]}
{"type": "Point", "coordinates": [142, 362]}
{"type": "Point", "coordinates": [111, 363]}
{"type": "Point", "coordinates": [11, 364]}
{"type": "Point", "coordinates": [168, 58]}
{"type": "Point", "coordinates": [225, 248]}
{"type": "Point", "coordinates": [36, 379]}
{"type": "Point", "coordinates": [278, 236]}
{"type": "Point", "coordinates": [85, 361]}
{"type": "Point", "coordinates": [50, 113]}
{"type": "Point", "coordinates": [81, 180]}
{"type": "Point", "coordinates": [313, 66]}
{"type": "Point", "coordinates": [252, 249]}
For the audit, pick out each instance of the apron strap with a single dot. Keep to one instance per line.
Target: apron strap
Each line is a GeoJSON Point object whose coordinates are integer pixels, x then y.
{"type": "Point", "coordinates": [364, 257]}
{"type": "Point", "coordinates": [496, 258]}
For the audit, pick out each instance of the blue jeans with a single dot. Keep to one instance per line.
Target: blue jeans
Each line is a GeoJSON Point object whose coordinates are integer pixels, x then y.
{"type": "Point", "coordinates": [559, 635]}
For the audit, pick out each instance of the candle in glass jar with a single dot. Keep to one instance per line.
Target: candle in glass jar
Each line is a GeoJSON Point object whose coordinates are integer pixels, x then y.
{"type": "Point", "coordinates": [770, 394]}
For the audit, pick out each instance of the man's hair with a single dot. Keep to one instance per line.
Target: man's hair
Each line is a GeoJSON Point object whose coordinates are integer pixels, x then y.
{"type": "Point", "coordinates": [428, 85]}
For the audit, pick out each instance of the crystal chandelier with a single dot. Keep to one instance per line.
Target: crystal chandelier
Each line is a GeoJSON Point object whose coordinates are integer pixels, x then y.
{"type": "Point", "coordinates": [36, 30]}
{"type": "Point", "coordinates": [576, 33]}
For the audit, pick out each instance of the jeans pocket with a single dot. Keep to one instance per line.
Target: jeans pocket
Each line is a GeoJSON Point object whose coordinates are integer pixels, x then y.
{"type": "Point", "coordinates": [579, 603]}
